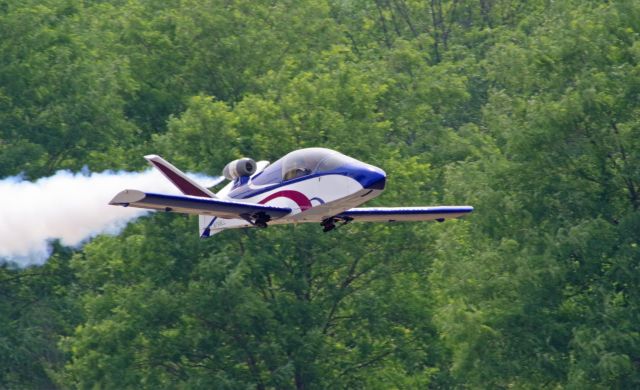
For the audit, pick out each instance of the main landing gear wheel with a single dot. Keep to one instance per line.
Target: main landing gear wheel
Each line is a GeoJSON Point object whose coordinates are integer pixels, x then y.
{"type": "Point", "coordinates": [258, 219]}
{"type": "Point", "coordinates": [330, 223]}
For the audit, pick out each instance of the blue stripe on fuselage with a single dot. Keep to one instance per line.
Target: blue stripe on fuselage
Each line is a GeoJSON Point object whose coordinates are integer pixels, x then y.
{"type": "Point", "coordinates": [362, 174]}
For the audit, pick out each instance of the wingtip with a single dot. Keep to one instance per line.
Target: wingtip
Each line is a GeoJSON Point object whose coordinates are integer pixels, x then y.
{"type": "Point", "coordinates": [126, 197]}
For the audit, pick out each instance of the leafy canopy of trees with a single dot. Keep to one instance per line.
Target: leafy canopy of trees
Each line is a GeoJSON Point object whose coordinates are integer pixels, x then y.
{"type": "Point", "coordinates": [527, 110]}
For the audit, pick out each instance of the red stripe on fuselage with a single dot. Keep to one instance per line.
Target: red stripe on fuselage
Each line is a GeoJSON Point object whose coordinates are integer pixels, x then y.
{"type": "Point", "coordinates": [301, 200]}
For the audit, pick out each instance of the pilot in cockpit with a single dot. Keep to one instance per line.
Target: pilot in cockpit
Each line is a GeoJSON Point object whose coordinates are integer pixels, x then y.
{"type": "Point", "coordinates": [297, 170]}
{"type": "Point", "coordinates": [298, 165]}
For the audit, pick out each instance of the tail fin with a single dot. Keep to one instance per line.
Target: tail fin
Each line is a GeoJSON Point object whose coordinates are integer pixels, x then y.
{"type": "Point", "coordinates": [211, 225]}
{"type": "Point", "coordinates": [178, 178]}
{"type": "Point", "coordinates": [205, 222]}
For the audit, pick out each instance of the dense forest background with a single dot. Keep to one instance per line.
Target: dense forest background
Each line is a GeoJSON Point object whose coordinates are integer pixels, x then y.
{"type": "Point", "coordinates": [527, 110]}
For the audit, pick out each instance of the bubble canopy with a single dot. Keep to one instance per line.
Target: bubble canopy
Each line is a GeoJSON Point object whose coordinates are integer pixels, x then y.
{"type": "Point", "coordinates": [303, 162]}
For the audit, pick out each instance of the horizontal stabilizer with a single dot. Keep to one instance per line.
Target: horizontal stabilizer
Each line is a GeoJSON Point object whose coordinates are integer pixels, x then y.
{"type": "Point", "coordinates": [195, 205]}
{"type": "Point", "coordinates": [392, 214]}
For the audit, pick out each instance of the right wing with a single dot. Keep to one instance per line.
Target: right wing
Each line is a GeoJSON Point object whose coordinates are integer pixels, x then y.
{"type": "Point", "coordinates": [393, 214]}
{"type": "Point", "coordinates": [196, 205]}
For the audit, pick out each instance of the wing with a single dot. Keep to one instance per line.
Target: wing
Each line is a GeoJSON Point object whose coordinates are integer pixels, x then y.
{"type": "Point", "coordinates": [392, 214]}
{"type": "Point", "coordinates": [195, 205]}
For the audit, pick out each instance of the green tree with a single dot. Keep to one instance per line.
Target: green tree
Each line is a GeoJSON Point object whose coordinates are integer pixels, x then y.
{"type": "Point", "coordinates": [61, 101]}
{"type": "Point", "coordinates": [530, 306]}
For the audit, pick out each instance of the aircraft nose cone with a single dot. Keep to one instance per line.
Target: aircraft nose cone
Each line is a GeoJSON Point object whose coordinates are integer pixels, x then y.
{"type": "Point", "coordinates": [368, 176]}
{"type": "Point", "coordinates": [375, 179]}
{"type": "Point", "coordinates": [378, 184]}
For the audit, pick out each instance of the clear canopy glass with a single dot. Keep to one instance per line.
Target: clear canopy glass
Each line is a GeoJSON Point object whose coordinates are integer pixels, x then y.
{"type": "Point", "coordinates": [301, 163]}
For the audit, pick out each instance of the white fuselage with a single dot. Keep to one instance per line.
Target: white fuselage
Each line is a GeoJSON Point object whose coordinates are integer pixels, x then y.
{"type": "Point", "coordinates": [312, 199]}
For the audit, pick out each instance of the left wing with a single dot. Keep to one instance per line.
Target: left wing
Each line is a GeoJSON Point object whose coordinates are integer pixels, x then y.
{"type": "Point", "coordinates": [196, 205]}
{"type": "Point", "coordinates": [393, 214]}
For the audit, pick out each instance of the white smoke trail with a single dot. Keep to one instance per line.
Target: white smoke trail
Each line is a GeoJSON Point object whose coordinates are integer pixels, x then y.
{"type": "Point", "coordinates": [69, 207]}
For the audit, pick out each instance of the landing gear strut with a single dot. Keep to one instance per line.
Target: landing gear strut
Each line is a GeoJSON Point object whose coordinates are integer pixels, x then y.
{"type": "Point", "coordinates": [258, 219]}
{"type": "Point", "coordinates": [330, 223]}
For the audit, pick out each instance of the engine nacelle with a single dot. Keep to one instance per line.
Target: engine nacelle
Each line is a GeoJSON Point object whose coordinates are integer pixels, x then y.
{"type": "Point", "coordinates": [241, 167]}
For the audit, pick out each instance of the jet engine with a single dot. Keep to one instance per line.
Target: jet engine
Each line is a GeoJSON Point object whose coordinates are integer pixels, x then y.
{"type": "Point", "coordinates": [241, 167]}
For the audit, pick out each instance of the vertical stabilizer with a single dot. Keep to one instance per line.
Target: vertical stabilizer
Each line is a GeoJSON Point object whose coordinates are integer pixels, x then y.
{"type": "Point", "coordinates": [211, 225]}
{"type": "Point", "coordinates": [205, 222]}
{"type": "Point", "coordinates": [178, 178]}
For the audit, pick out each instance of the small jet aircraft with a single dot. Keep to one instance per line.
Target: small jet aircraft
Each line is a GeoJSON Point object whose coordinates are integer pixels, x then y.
{"type": "Point", "coordinates": [307, 185]}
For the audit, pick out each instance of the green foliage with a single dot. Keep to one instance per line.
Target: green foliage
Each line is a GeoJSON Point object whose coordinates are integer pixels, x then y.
{"type": "Point", "coordinates": [61, 100]}
{"type": "Point", "coordinates": [526, 110]}
{"type": "Point", "coordinates": [36, 309]}
{"type": "Point", "coordinates": [252, 308]}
